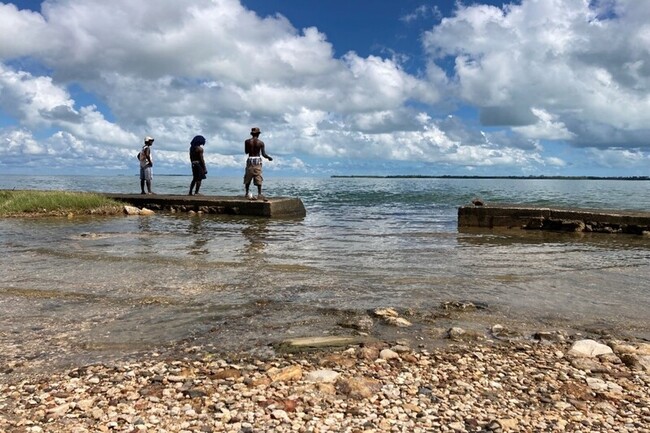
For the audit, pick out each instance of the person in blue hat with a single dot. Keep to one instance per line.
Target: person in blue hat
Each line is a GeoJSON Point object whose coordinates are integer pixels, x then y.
{"type": "Point", "coordinates": [199, 170]}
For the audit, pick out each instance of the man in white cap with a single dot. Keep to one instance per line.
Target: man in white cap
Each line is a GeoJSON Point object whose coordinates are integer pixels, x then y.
{"type": "Point", "coordinates": [146, 162]}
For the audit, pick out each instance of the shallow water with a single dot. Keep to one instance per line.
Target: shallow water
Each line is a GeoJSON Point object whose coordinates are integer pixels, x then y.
{"type": "Point", "coordinates": [77, 290]}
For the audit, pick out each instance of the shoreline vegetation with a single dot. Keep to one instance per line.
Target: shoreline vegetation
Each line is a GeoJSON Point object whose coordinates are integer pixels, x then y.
{"type": "Point", "coordinates": [21, 203]}
{"type": "Point", "coordinates": [448, 176]}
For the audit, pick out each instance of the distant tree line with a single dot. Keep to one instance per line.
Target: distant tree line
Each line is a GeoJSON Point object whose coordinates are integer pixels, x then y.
{"type": "Point", "coordinates": [447, 176]}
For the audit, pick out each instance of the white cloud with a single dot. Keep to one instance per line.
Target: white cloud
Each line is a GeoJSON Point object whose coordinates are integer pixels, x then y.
{"type": "Point", "coordinates": [546, 128]}
{"type": "Point", "coordinates": [422, 12]}
{"type": "Point", "coordinates": [555, 161]}
{"type": "Point", "coordinates": [101, 75]}
{"type": "Point", "coordinates": [573, 60]}
{"type": "Point", "coordinates": [627, 159]}
{"type": "Point", "coordinates": [29, 29]}
{"type": "Point", "coordinates": [19, 143]}
{"type": "Point", "coordinates": [32, 100]}
{"type": "Point", "coordinates": [178, 68]}
{"type": "Point", "coordinates": [37, 101]}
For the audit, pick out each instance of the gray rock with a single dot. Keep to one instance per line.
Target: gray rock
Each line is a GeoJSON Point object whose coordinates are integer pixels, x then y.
{"type": "Point", "coordinates": [588, 364]}
{"type": "Point", "coordinates": [398, 321]}
{"type": "Point", "coordinates": [644, 362]}
{"type": "Point", "coordinates": [589, 348]}
{"type": "Point", "coordinates": [326, 376]}
{"type": "Point", "coordinates": [463, 305]}
{"type": "Point", "coordinates": [385, 312]}
{"type": "Point", "coordinates": [131, 210]}
{"type": "Point", "coordinates": [363, 323]}
{"type": "Point", "coordinates": [388, 354]}
{"type": "Point", "coordinates": [550, 336]}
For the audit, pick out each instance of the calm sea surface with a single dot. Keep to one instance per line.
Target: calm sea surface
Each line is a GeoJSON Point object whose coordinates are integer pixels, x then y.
{"type": "Point", "coordinates": [82, 288]}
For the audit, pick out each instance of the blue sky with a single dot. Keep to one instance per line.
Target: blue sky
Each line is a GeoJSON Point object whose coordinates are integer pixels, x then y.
{"type": "Point", "coordinates": [381, 87]}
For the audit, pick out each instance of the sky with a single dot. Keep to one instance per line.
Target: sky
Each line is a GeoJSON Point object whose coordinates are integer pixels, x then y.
{"type": "Point", "coordinates": [338, 87]}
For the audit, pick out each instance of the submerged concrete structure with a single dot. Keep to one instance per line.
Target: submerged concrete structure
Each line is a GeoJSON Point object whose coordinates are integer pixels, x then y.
{"type": "Point", "coordinates": [558, 219]}
{"type": "Point", "coordinates": [273, 207]}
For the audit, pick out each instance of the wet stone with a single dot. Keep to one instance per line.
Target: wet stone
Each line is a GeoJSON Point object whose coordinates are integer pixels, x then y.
{"type": "Point", "coordinates": [467, 386]}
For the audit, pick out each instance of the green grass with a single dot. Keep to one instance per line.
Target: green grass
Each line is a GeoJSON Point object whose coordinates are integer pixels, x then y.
{"type": "Point", "coordinates": [21, 203]}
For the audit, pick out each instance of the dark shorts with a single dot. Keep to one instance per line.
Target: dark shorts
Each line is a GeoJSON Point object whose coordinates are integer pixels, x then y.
{"type": "Point", "coordinates": [197, 172]}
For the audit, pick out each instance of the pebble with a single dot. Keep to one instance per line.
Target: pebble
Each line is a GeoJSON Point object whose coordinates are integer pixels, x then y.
{"type": "Point", "coordinates": [468, 387]}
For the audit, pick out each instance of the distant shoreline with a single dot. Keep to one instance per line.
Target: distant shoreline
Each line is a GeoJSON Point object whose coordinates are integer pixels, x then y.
{"type": "Point", "coordinates": [445, 176]}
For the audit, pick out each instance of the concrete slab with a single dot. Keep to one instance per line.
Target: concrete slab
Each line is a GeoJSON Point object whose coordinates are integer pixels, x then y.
{"type": "Point", "coordinates": [319, 342]}
{"type": "Point", "coordinates": [273, 207]}
{"type": "Point", "coordinates": [562, 219]}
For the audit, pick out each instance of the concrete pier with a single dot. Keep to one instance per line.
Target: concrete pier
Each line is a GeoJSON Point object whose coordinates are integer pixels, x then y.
{"type": "Point", "coordinates": [273, 207]}
{"type": "Point", "coordinates": [558, 219]}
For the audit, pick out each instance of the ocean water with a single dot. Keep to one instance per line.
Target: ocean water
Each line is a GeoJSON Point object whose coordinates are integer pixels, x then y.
{"type": "Point", "coordinates": [82, 289]}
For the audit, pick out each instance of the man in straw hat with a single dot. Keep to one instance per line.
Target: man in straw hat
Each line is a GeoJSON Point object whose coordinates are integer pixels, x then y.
{"type": "Point", "coordinates": [254, 148]}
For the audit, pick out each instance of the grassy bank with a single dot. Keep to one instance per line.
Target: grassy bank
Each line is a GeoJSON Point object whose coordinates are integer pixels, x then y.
{"type": "Point", "coordinates": [22, 203]}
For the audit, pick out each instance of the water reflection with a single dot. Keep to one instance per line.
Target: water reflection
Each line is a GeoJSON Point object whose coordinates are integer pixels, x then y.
{"type": "Point", "coordinates": [256, 233]}
{"type": "Point", "coordinates": [199, 233]}
{"type": "Point", "coordinates": [477, 236]}
{"type": "Point", "coordinates": [144, 224]}
{"type": "Point", "coordinates": [146, 241]}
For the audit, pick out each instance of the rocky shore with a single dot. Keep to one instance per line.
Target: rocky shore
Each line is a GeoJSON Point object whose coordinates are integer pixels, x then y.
{"type": "Point", "coordinates": [550, 382]}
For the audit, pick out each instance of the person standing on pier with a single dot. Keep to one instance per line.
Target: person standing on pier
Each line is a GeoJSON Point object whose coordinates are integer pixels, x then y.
{"type": "Point", "coordinates": [199, 170]}
{"type": "Point", "coordinates": [146, 164]}
{"type": "Point", "coordinates": [254, 148]}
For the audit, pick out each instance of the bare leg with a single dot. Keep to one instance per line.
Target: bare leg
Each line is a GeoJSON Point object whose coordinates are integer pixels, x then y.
{"type": "Point", "coordinates": [260, 196]}
{"type": "Point", "coordinates": [142, 186]}
{"type": "Point", "coordinates": [149, 186]}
